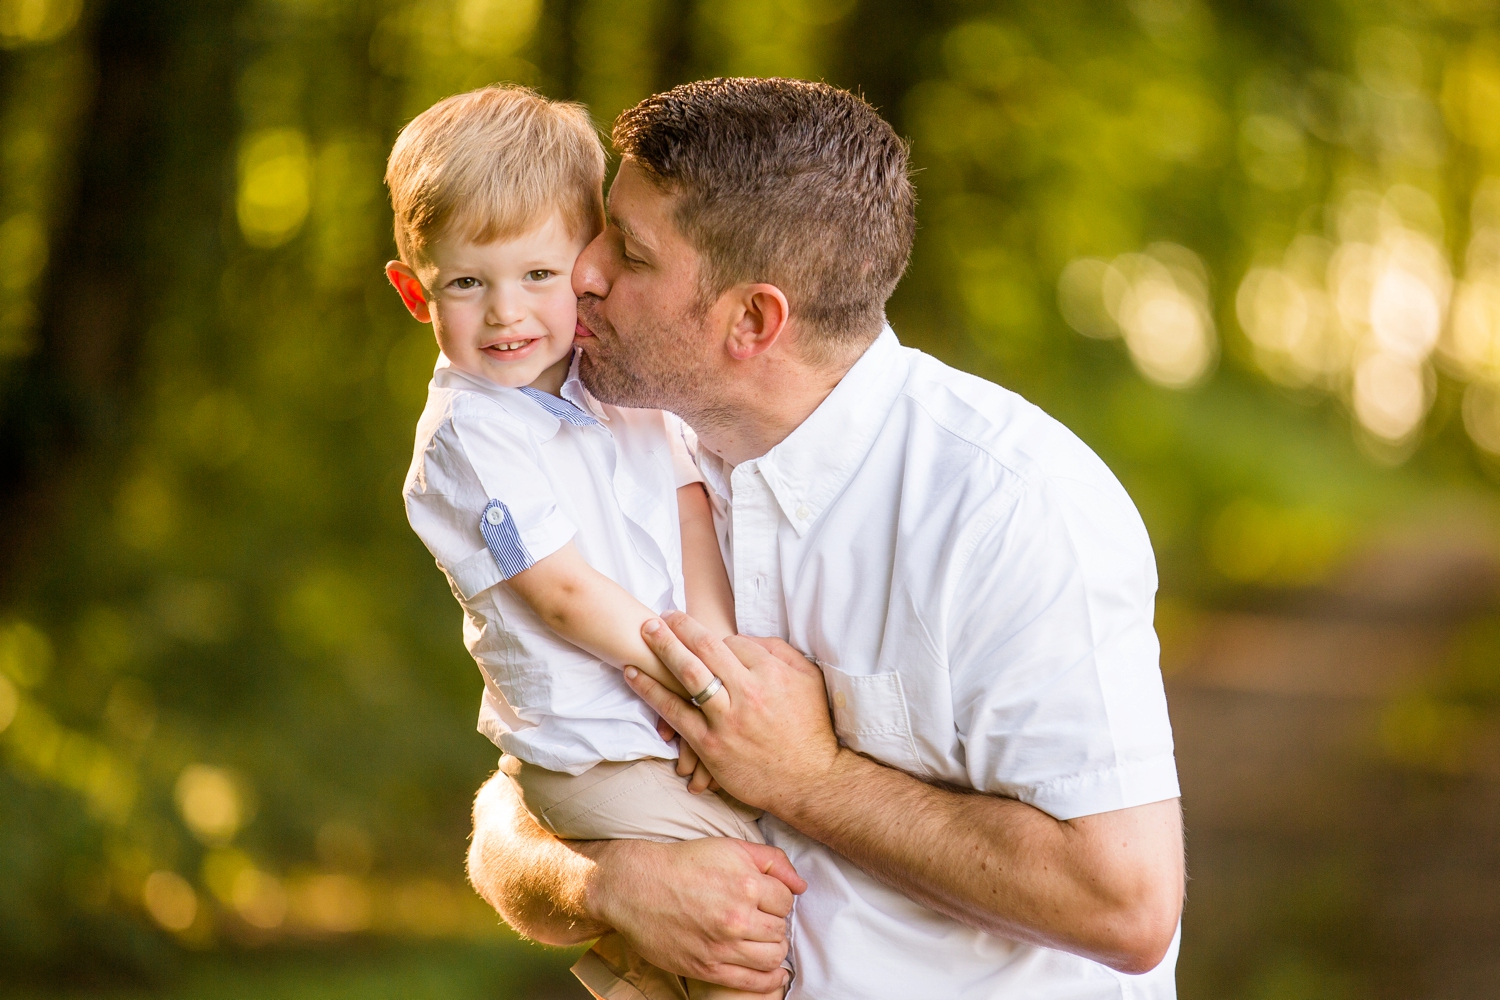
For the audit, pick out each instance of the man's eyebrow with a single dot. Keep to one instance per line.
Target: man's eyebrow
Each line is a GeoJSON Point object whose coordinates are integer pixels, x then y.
{"type": "Point", "coordinates": [624, 227]}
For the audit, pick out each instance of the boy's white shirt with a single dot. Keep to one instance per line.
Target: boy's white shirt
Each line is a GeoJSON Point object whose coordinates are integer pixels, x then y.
{"type": "Point", "coordinates": [547, 471]}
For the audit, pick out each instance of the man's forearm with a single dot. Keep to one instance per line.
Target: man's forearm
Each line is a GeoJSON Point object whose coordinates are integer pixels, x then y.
{"type": "Point", "coordinates": [1107, 887]}
{"type": "Point", "coordinates": [537, 883]}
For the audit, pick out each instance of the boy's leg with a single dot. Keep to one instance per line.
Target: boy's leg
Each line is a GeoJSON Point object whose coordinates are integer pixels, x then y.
{"type": "Point", "coordinates": [612, 971]}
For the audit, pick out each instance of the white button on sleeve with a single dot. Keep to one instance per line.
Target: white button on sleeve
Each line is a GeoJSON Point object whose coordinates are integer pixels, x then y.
{"type": "Point", "coordinates": [520, 515]}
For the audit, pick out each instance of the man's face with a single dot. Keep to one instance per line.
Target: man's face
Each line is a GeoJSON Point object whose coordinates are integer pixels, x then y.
{"type": "Point", "coordinates": [647, 339]}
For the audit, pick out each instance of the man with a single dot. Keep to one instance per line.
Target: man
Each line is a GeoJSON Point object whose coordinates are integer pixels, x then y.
{"type": "Point", "coordinates": [991, 810]}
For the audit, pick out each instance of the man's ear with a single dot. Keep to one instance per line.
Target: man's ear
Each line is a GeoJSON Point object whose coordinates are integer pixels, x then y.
{"type": "Point", "coordinates": [758, 319]}
{"type": "Point", "coordinates": [409, 287]}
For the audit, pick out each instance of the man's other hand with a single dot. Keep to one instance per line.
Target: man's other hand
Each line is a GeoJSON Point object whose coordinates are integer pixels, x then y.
{"type": "Point", "coordinates": [711, 909]}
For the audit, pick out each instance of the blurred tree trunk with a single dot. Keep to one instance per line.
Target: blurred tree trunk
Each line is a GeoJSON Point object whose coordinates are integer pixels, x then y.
{"type": "Point", "coordinates": [140, 153]}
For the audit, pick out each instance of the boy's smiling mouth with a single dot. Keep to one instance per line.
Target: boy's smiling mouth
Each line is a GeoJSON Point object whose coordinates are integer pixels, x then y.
{"type": "Point", "coordinates": [506, 348]}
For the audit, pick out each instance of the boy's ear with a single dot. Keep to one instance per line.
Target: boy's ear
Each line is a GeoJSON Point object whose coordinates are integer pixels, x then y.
{"type": "Point", "coordinates": [407, 285]}
{"type": "Point", "coordinates": [758, 318]}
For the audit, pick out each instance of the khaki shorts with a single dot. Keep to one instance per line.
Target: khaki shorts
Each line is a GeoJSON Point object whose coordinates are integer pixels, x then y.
{"type": "Point", "coordinates": [629, 800]}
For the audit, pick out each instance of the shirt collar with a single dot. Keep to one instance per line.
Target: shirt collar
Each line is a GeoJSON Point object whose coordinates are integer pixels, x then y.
{"type": "Point", "coordinates": [543, 411]}
{"type": "Point", "coordinates": [813, 464]}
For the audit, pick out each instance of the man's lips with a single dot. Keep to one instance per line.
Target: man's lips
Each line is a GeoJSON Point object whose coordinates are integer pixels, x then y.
{"type": "Point", "coordinates": [579, 330]}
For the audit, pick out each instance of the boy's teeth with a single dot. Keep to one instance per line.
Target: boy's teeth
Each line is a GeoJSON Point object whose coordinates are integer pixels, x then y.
{"type": "Point", "coordinates": [513, 346]}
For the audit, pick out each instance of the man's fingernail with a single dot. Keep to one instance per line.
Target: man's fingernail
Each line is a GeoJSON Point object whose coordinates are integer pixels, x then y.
{"type": "Point", "coordinates": [631, 672]}
{"type": "Point", "coordinates": [652, 625]}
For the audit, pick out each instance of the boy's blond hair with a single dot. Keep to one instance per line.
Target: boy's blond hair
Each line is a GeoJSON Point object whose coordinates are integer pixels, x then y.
{"type": "Point", "coordinates": [489, 165]}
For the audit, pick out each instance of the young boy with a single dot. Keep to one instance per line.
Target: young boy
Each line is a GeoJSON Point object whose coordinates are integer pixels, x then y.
{"type": "Point", "coordinates": [562, 524]}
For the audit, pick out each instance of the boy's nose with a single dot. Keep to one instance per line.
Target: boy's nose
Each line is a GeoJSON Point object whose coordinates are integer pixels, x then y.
{"type": "Point", "coordinates": [504, 310]}
{"type": "Point", "coordinates": [588, 273]}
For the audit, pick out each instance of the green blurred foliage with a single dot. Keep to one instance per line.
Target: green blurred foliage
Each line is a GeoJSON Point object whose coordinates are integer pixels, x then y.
{"type": "Point", "coordinates": [234, 705]}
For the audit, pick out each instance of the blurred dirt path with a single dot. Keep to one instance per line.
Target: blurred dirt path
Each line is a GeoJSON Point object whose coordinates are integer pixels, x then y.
{"type": "Point", "coordinates": [1321, 865]}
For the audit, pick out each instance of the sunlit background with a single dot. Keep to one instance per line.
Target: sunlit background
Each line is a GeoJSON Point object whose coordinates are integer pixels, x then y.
{"type": "Point", "coordinates": [1249, 252]}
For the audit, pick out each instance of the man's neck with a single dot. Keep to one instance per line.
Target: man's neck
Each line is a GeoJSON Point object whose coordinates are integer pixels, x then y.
{"type": "Point", "coordinates": [766, 410]}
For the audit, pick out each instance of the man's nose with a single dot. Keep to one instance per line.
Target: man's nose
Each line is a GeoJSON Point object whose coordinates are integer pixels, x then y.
{"type": "Point", "coordinates": [589, 274]}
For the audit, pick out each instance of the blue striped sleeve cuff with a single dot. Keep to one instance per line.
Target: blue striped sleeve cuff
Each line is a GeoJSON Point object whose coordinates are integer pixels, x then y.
{"type": "Point", "coordinates": [504, 540]}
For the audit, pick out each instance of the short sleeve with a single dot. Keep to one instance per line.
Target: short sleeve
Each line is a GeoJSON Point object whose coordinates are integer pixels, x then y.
{"type": "Point", "coordinates": [480, 501]}
{"type": "Point", "coordinates": [1054, 662]}
{"type": "Point", "coordinates": [520, 522]}
{"type": "Point", "coordinates": [684, 445]}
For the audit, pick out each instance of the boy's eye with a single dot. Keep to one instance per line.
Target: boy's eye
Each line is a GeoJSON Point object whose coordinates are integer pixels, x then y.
{"type": "Point", "coordinates": [465, 282]}
{"type": "Point", "coordinates": [538, 275]}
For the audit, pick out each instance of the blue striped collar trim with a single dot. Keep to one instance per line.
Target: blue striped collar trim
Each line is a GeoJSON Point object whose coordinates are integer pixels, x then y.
{"type": "Point", "coordinates": [560, 408]}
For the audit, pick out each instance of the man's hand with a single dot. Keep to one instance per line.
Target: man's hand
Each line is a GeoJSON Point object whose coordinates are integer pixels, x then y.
{"type": "Point", "coordinates": [688, 764]}
{"type": "Point", "coordinates": [711, 909]}
{"type": "Point", "coordinates": [767, 736]}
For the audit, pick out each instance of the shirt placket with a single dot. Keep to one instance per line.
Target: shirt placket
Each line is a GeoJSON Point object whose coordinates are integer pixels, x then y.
{"type": "Point", "coordinates": [758, 606]}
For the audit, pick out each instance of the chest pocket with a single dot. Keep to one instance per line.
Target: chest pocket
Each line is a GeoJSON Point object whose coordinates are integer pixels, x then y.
{"type": "Point", "coordinates": [870, 716]}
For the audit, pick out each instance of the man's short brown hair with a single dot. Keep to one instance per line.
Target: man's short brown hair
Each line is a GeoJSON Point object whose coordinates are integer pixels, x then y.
{"type": "Point", "coordinates": [491, 164]}
{"type": "Point", "coordinates": [797, 184]}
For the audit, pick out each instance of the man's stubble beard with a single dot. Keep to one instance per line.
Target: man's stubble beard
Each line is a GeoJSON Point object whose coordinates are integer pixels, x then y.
{"type": "Point", "coordinates": [659, 370]}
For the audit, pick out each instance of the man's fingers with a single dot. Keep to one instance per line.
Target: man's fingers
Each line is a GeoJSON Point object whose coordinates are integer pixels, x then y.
{"type": "Point", "coordinates": [771, 861]}
{"type": "Point", "coordinates": [685, 666]}
{"type": "Point", "coordinates": [678, 713]}
{"type": "Point", "coordinates": [750, 980]}
{"type": "Point", "coordinates": [784, 652]}
{"type": "Point", "coordinates": [704, 644]}
{"type": "Point", "coordinates": [664, 730]}
{"type": "Point", "coordinates": [687, 759]}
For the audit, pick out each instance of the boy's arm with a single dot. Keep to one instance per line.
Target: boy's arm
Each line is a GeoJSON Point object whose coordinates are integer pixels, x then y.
{"type": "Point", "coordinates": [591, 611]}
{"type": "Point", "coordinates": [709, 597]}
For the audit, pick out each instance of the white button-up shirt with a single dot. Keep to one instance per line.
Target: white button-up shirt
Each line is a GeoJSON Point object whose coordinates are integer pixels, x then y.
{"type": "Point", "coordinates": [501, 478]}
{"type": "Point", "coordinates": [977, 588]}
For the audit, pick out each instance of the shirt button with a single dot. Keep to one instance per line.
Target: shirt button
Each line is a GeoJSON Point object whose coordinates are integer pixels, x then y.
{"type": "Point", "coordinates": [493, 515]}
{"type": "Point", "coordinates": [803, 512]}
{"type": "Point", "coordinates": [839, 700]}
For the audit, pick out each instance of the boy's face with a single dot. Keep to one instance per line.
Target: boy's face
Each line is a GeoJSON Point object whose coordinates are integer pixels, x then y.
{"type": "Point", "coordinates": [502, 311]}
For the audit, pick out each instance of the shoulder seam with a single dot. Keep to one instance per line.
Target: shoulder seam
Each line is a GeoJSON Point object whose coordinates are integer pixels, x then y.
{"type": "Point", "coordinates": [950, 430]}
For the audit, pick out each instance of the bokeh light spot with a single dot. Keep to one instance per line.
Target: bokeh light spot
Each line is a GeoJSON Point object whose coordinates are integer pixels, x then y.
{"type": "Point", "coordinates": [1158, 300]}
{"type": "Point", "coordinates": [26, 653]}
{"type": "Point", "coordinates": [31, 22]}
{"type": "Point", "coordinates": [275, 188]}
{"type": "Point", "coordinates": [1482, 415]}
{"type": "Point", "coordinates": [1390, 396]}
{"type": "Point", "coordinates": [170, 900]}
{"type": "Point", "coordinates": [23, 251]}
{"type": "Point", "coordinates": [494, 27]}
{"type": "Point", "coordinates": [333, 904]}
{"type": "Point", "coordinates": [209, 802]}
{"type": "Point", "coordinates": [259, 898]}
{"type": "Point", "coordinates": [10, 702]}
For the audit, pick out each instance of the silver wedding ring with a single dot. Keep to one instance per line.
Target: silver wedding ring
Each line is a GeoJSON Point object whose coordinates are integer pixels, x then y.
{"type": "Point", "coordinates": [714, 687]}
